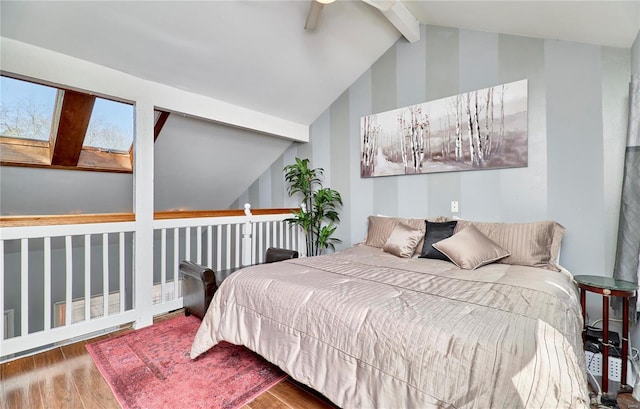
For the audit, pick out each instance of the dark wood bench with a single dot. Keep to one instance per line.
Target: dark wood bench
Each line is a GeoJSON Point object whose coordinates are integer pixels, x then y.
{"type": "Point", "coordinates": [199, 282]}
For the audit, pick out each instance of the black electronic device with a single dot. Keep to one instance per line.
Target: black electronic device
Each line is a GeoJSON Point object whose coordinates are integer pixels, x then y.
{"type": "Point", "coordinates": [594, 342]}
{"type": "Point", "coordinates": [595, 335]}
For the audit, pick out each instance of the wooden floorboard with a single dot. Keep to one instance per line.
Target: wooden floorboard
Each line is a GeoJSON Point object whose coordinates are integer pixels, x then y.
{"type": "Point", "coordinates": [268, 401]}
{"type": "Point", "coordinates": [57, 388]}
{"type": "Point", "coordinates": [626, 401]}
{"type": "Point", "coordinates": [289, 392]}
{"type": "Point", "coordinates": [67, 377]}
{"type": "Point", "coordinates": [20, 388]}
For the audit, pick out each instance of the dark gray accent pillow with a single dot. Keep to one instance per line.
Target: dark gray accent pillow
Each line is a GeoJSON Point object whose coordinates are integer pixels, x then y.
{"type": "Point", "coordinates": [436, 232]}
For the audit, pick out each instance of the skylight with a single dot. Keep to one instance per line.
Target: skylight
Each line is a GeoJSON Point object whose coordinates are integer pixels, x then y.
{"type": "Point", "coordinates": [46, 127]}
{"type": "Point", "coordinates": [110, 127]}
{"type": "Point", "coordinates": [26, 109]}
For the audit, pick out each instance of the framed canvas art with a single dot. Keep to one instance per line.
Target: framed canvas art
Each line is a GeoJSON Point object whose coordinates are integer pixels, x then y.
{"type": "Point", "coordinates": [482, 129]}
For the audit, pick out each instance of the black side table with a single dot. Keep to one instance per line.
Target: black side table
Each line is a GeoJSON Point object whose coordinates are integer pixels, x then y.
{"type": "Point", "coordinates": [607, 287]}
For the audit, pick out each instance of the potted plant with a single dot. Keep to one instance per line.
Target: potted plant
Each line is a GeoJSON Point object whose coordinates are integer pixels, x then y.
{"type": "Point", "coordinates": [318, 213]}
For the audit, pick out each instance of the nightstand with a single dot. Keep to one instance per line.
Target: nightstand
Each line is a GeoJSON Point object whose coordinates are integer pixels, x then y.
{"type": "Point", "coordinates": [607, 287]}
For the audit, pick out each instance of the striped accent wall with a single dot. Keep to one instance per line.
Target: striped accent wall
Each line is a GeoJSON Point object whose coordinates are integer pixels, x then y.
{"type": "Point", "coordinates": [577, 99]}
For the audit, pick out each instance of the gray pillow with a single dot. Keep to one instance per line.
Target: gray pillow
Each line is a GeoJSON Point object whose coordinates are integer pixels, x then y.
{"type": "Point", "coordinates": [535, 244]}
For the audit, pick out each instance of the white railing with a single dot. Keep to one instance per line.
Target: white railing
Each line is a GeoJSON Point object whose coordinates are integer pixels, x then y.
{"type": "Point", "coordinates": [56, 269]}
{"type": "Point", "coordinates": [217, 242]}
{"type": "Point", "coordinates": [65, 253]}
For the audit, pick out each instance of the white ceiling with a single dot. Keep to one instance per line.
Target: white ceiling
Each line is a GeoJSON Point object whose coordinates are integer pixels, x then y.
{"type": "Point", "coordinates": [609, 23]}
{"type": "Point", "coordinates": [256, 54]}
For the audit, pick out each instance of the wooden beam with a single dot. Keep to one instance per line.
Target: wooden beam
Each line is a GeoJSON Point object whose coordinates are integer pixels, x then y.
{"type": "Point", "coordinates": [313, 16]}
{"type": "Point", "coordinates": [72, 127]}
{"type": "Point", "coordinates": [157, 128]}
{"type": "Point", "coordinates": [399, 15]}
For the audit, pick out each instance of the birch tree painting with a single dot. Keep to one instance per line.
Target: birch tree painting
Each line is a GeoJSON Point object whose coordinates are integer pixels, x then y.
{"type": "Point", "coordinates": [483, 129]}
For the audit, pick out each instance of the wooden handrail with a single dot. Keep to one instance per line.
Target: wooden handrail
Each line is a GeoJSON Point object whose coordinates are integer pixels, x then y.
{"type": "Point", "coordinates": [48, 220]}
{"type": "Point", "coordinates": [190, 214]}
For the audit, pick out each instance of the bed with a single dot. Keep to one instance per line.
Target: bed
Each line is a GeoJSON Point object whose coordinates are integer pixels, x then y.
{"type": "Point", "coordinates": [370, 327]}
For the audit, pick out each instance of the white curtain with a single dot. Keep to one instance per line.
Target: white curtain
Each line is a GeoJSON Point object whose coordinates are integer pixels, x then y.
{"type": "Point", "coordinates": [627, 266]}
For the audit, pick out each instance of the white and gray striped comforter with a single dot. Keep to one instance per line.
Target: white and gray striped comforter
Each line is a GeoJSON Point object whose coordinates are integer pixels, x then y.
{"type": "Point", "coordinates": [371, 330]}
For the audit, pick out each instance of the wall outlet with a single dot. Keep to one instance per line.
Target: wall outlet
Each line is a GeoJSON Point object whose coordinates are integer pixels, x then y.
{"type": "Point", "coordinates": [454, 206]}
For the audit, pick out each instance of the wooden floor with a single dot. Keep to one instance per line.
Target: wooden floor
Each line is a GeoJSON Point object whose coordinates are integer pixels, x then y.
{"type": "Point", "coordinates": [624, 400]}
{"type": "Point", "coordinates": [66, 377]}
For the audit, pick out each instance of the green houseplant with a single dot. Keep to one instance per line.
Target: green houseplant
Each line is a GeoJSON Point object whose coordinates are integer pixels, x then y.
{"type": "Point", "coordinates": [318, 213]}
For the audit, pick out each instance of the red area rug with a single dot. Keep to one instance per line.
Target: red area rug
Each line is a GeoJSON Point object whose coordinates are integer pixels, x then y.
{"type": "Point", "coordinates": [150, 368]}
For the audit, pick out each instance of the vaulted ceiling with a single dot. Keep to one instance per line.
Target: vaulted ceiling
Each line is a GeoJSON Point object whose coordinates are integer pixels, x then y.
{"type": "Point", "coordinates": [256, 54]}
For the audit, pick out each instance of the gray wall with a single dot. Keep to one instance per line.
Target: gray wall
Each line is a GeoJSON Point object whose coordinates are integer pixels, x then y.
{"type": "Point", "coordinates": [577, 123]}
{"type": "Point", "coordinates": [199, 165]}
{"type": "Point", "coordinates": [35, 191]}
{"type": "Point", "coordinates": [635, 56]}
{"type": "Point", "coordinates": [202, 165]}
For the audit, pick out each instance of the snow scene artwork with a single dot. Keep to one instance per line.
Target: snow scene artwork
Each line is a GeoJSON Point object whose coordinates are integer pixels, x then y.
{"type": "Point", "coordinates": [483, 129]}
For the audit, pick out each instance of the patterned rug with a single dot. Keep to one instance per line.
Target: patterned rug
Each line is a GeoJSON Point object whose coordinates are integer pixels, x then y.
{"type": "Point", "coordinates": [150, 368]}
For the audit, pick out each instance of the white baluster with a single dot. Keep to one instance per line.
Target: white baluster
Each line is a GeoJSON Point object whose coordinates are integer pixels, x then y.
{"type": "Point", "coordinates": [210, 246]}
{"type": "Point", "coordinates": [218, 248]}
{"type": "Point", "coordinates": [121, 271]}
{"type": "Point", "coordinates": [47, 283]}
{"type": "Point", "coordinates": [163, 264]}
{"type": "Point", "coordinates": [176, 261]}
{"type": "Point", "coordinates": [238, 246]}
{"type": "Point", "coordinates": [68, 306]}
{"type": "Point", "coordinates": [248, 241]}
{"type": "Point", "coordinates": [24, 287]}
{"type": "Point", "coordinates": [227, 257]}
{"type": "Point", "coordinates": [105, 274]}
{"type": "Point", "coordinates": [199, 245]}
{"type": "Point", "coordinates": [87, 277]}
{"type": "Point", "coordinates": [187, 243]}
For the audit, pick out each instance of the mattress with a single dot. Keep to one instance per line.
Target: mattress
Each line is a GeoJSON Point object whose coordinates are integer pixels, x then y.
{"type": "Point", "coordinates": [371, 330]}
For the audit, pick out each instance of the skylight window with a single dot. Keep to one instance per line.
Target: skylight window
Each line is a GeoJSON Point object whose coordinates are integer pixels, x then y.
{"type": "Point", "coordinates": [26, 109]}
{"type": "Point", "coordinates": [47, 127]}
{"type": "Point", "coordinates": [110, 127]}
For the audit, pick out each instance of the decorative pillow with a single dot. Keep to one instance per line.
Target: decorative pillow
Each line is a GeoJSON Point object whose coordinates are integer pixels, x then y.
{"type": "Point", "coordinates": [403, 240]}
{"type": "Point", "coordinates": [435, 233]}
{"type": "Point", "coordinates": [381, 227]}
{"type": "Point", "coordinates": [470, 249]}
{"type": "Point", "coordinates": [437, 219]}
{"type": "Point", "coordinates": [535, 244]}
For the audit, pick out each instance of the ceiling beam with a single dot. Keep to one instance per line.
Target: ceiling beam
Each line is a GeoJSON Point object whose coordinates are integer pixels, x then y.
{"type": "Point", "coordinates": [72, 127]}
{"type": "Point", "coordinates": [157, 128]}
{"type": "Point", "coordinates": [399, 15]}
{"type": "Point", "coordinates": [313, 16]}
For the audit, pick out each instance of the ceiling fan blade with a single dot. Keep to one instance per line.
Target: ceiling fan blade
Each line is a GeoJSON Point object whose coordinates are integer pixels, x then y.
{"type": "Point", "coordinates": [315, 9]}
